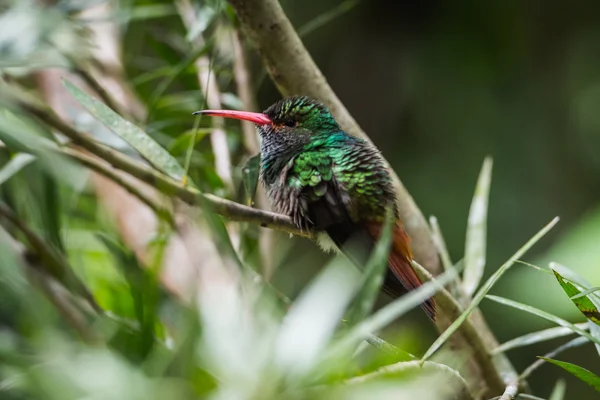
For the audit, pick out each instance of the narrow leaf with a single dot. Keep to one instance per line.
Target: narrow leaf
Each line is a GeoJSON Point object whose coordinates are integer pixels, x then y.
{"type": "Point", "coordinates": [475, 244]}
{"type": "Point", "coordinates": [585, 375]}
{"type": "Point", "coordinates": [485, 289]}
{"type": "Point", "coordinates": [536, 337]}
{"type": "Point", "coordinates": [440, 243]}
{"type": "Point", "coordinates": [393, 311]}
{"type": "Point", "coordinates": [250, 174]}
{"type": "Point", "coordinates": [327, 17]}
{"type": "Point", "coordinates": [558, 393]}
{"type": "Point", "coordinates": [584, 304]}
{"type": "Point", "coordinates": [17, 163]}
{"type": "Point", "coordinates": [311, 321]}
{"type": "Point", "coordinates": [373, 276]}
{"type": "Point", "coordinates": [181, 143]}
{"type": "Point", "coordinates": [578, 341]}
{"type": "Point", "coordinates": [140, 140]}
{"type": "Point", "coordinates": [543, 314]}
{"type": "Point", "coordinates": [586, 292]}
{"type": "Point", "coordinates": [581, 284]}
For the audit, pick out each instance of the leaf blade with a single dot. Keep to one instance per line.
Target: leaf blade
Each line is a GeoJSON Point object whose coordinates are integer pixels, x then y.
{"type": "Point", "coordinates": [583, 374]}
{"type": "Point", "coordinates": [16, 163]}
{"type": "Point", "coordinates": [140, 140]}
{"type": "Point", "coordinates": [542, 314]}
{"type": "Point", "coordinates": [485, 289]}
{"type": "Point", "coordinates": [583, 303]}
{"type": "Point", "coordinates": [475, 243]}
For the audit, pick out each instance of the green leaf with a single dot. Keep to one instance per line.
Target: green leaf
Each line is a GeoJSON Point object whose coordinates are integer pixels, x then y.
{"type": "Point", "coordinates": [558, 393]}
{"type": "Point", "coordinates": [485, 289]}
{"type": "Point", "coordinates": [16, 163]}
{"type": "Point", "coordinates": [182, 142]}
{"type": "Point", "coordinates": [373, 276]}
{"type": "Point", "coordinates": [586, 292]}
{"type": "Point", "coordinates": [392, 311]}
{"type": "Point", "coordinates": [20, 134]}
{"type": "Point", "coordinates": [578, 341]}
{"type": "Point", "coordinates": [326, 17]}
{"type": "Point", "coordinates": [584, 304]}
{"type": "Point", "coordinates": [536, 337]}
{"type": "Point", "coordinates": [250, 174]}
{"type": "Point", "coordinates": [542, 314]}
{"type": "Point", "coordinates": [140, 140]}
{"type": "Point", "coordinates": [440, 243]}
{"type": "Point", "coordinates": [311, 322]}
{"type": "Point", "coordinates": [475, 244]}
{"type": "Point", "coordinates": [587, 376]}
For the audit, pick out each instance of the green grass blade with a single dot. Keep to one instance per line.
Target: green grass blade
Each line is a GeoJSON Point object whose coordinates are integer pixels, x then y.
{"type": "Point", "coordinates": [475, 244]}
{"type": "Point", "coordinates": [586, 292]}
{"type": "Point", "coordinates": [585, 375]}
{"type": "Point", "coordinates": [578, 341]}
{"type": "Point", "coordinates": [592, 303]}
{"type": "Point", "coordinates": [485, 289]}
{"type": "Point", "coordinates": [250, 175]}
{"type": "Point", "coordinates": [440, 243]}
{"type": "Point", "coordinates": [16, 163]}
{"type": "Point", "coordinates": [326, 17]}
{"type": "Point", "coordinates": [140, 140]}
{"type": "Point", "coordinates": [558, 393]}
{"type": "Point", "coordinates": [536, 337]}
{"type": "Point", "coordinates": [583, 304]}
{"type": "Point", "coordinates": [392, 311]}
{"type": "Point", "coordinates": [311, 322]}
{"type": "Point", "coordinates": [373, 276]}
{"type": "Point", "coordinates": [543, 314]}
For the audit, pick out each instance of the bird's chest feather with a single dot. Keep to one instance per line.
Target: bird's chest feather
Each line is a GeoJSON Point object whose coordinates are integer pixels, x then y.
{"type": "Point", "coordinates": [324, 184]}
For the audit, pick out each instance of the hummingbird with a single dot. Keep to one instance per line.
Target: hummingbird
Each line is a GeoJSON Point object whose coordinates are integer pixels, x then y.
{"type": "Point", "coordinates": [331, 182]}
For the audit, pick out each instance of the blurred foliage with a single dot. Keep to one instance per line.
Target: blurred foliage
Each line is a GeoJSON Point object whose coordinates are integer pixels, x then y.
{"type": "Point", "coordinates": [437, 85]}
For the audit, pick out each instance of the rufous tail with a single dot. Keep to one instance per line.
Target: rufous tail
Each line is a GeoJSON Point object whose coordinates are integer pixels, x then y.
{"type": "Point", "coordinates": [400, 266]}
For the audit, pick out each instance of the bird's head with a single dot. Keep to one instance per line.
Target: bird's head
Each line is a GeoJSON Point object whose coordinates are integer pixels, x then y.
{"type": "Point", "coordinates": [292, 116]}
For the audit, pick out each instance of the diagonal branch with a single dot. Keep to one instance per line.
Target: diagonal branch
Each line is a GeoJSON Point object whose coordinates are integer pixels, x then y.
{"type": "Point", "coordinates": [161, 182]}
{"type": "Point", "coordinates": [293, 71]}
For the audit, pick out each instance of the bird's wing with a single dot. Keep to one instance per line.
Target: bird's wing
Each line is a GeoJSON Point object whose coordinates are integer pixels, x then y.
{"type": "Point", "coordinates": [320, 196]}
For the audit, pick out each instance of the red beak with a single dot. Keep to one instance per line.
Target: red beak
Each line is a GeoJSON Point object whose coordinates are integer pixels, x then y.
{"type": "Point", "coordinates": [257, 118]}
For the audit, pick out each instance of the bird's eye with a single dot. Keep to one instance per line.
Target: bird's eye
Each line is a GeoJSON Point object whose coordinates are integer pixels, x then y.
{"type": "Point", "coordinates": [290, 123]}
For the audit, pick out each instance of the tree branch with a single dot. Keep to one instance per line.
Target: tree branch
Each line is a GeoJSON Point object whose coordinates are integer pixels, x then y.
{"type": "Point", "coordinates": [293, 71]}
{"type": "Point", "coordinates": [99, 166]}
{"type": "Point", "coordinates": [163, 183]}
{"type": "Point", "coordinates": [53, 263]}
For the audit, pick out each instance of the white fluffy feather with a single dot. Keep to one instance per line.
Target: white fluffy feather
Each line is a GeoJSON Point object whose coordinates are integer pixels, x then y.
{"type": "Point", "coordinates": [325, 243]}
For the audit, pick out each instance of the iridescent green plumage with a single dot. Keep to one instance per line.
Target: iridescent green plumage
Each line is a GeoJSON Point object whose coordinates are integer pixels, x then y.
{"type": "Point", "coordinates": [331, 182]}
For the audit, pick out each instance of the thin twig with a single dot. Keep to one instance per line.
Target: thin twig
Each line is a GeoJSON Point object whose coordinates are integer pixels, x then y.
{"type": "Point", "coordinates": [511, 391]}
{"type": "Point", "coordinates": [62, 301]}
{"type": "Point", "coordinates": [53, 262]}
{"type": "Point", "coordinates": [246, 95]}
{"type": "Point", "coordinates": [105, 169]}
{"type": "Point", "coordinates": [497, 368]}
{"type": "Point", "coordinates": [244, 91]}
{"type": "Point", "coordinates": [209, 85]}
{"type": "Point", "coordinates": [578, 341]}
{"type": "Point", "coordinates": [165, 184]}
{"type": "Point", "coordinates": [407, 366]}
{"type": "Point", "coordinates": [294, 72]}
{"type": "Point", "coordinates": [100, 90]}
{"type": "Point", "coordinates": [56, 294]}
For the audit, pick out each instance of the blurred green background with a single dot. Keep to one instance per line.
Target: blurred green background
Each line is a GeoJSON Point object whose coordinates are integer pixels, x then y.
{"type": "Point", "coordinates": [438, 86]}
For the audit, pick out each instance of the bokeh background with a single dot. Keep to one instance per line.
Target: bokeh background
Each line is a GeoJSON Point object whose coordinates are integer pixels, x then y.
{"type": "Point", "coordinates": [438, 86]}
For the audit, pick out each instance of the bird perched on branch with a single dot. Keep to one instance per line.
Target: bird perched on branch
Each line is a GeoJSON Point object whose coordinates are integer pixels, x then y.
{"type": "Point", "coordinates": [331, 182]}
